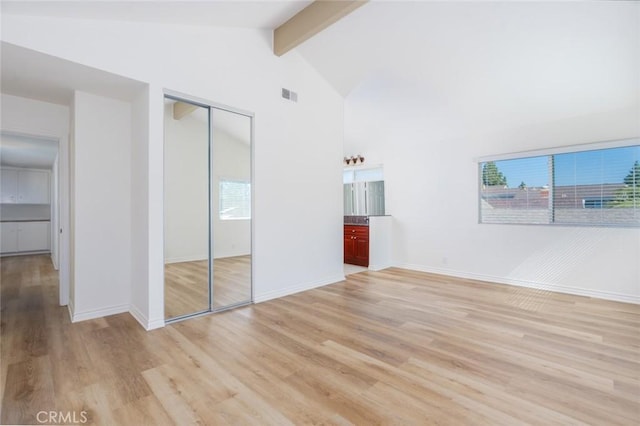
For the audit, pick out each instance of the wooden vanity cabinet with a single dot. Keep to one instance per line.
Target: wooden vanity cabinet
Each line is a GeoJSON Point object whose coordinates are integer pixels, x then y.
{"type": "Point", "coordinates": [356, 245]}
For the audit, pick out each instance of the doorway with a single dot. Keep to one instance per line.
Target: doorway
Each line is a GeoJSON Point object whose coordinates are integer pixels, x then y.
{"type": "Point", "coordinates": [34, 206]}
{"type": "Point", "coordinates": [207, 207]}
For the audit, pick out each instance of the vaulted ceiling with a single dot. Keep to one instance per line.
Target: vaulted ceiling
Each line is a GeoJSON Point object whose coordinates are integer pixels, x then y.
{"type": "Point", "coordinates": [230, 13]}
{"type": "Point", "coordinates": [545, 57]}
{"type": "Point", "coordinates": [470, 56]}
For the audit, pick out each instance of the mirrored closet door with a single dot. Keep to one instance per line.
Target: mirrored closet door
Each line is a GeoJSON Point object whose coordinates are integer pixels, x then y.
{"type": "Point", "coordinates": [231, 207]}
{"type": "Point", "coordinates": [207, 209]}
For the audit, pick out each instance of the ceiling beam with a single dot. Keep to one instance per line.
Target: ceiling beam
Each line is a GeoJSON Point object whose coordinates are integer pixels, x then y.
{"type": "Point", "coordinates": [310, 21]}
{"type": "Point", "coordinates": [182, 109]}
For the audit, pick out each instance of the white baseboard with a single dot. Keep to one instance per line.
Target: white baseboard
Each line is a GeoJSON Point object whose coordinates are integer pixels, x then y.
{"type": "Point", "coordinates": [99, 313]}
{"type": "Point", "coordinates": [70, 309]}
{"type": "Point", "coordinates": [379, 267]}
{"type": "Point", "coordinates": [198, 258]}
{"type": "Point", "coordinates": [155, 323]}
{"type": "Point", "coordinates": [143, 320]}
{"type": "Point", "coordinates": [297, 288]}
{"type": "Point", "coordinates": [139, 316]}
{"type": "Point", "coordinates": [24, 253]}
{"type": "Point", "coordinates": [599, 294]}
{"type": "Point", "coordinates": [227, 255]}
{"type": "Point", "coordinates": [186, 259]}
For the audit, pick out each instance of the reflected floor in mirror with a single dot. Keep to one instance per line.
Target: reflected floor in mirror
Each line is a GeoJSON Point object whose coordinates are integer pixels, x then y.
{"type": "Point", "coordinates": [186, 289]}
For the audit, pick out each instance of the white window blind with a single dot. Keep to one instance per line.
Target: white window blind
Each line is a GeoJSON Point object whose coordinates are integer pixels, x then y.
{"type": "Point", "coordinates": [588, 187]}
{"type": "Point", "coordinates": [235, 200]}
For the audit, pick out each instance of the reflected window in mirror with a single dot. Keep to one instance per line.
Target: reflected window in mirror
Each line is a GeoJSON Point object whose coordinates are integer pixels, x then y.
{"type": "Point", "coordinates": [235, 199]}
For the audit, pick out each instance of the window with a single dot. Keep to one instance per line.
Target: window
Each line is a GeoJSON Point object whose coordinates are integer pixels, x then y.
{"type": "Point", "coordinates": [582, 187]}
{"type": "Point", "coordinates": [235, 200]}
{"type": "Point", "coordinates": [360, 174]}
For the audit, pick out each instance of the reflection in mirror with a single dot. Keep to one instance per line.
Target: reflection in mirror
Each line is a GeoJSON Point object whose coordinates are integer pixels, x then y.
{"type": "Point", "coordinates": [231, 208]}
{"type": "Point", "coordinates": [207, 208]}
{"type": "Point", "coordinates": [186, 208]}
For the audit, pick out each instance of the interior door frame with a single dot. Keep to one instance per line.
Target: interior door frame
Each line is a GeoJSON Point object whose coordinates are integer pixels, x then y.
{"type": "Point", "coordinates": [61, 227]}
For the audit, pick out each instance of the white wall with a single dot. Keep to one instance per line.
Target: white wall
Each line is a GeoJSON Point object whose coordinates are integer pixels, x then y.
{"type": "Point", "coordinates": [186, 167]}
{"type": "Point", "coordinates": [298, 146]}
{"type": "Point", "coordinates": [31, 117]}
{"type": "Point", "coordinates": [186, 186]}
{"type": "Point", "coordinates": [545, 75]}
{"type": "Point", "coordinates": [55, 214]}
{"type": "Point", "coordinates": [102, 206]}
{"type": "Point", "coordinates": [231, 160]}
{"type": "Point", "coordinates": [155, 218]}
{"type": "Point", "coordinates": [140, 297]}
{"type": "Point", "coordinates": [431, 190]}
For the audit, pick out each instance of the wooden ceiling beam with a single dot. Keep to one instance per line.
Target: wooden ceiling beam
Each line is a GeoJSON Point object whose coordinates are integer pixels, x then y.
{"type": "Point", "coordinates": [182, 109]}
{"type": "Point", "coordinates": [310, 21]}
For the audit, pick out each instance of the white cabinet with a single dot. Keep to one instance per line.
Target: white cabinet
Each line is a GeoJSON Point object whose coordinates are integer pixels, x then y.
{"type": "Point", "coordinates": [33, 236]}
{"type": "Point", "coordinates": [19, 237]}
{"type": "Point", "coordinates": [33, 187]}
{"type": "Point", "coordinates": [8, 186]}
{"type": "Point", "coordinates": [25, 186]}
{"type": "Point", "coordinates": [8, 237]}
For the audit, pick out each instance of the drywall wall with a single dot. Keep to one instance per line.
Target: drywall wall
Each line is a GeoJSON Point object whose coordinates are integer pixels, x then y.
{"type": "Point", "coordinates": [431, 188]}
{"type": "Point", "coordinates": [297, 171]}
{"type": "Point", "coordinates": [566, 74]}
{"type": "Point", "coordinates": [231, 161]}
{"type": "Point", "coordinates": [36, 118]}
{"type": "Point", "coordinates": [102, 206]}
{"type": "Point", "coordinates": [140, 297]}
{"type": "Point", "coordinates": [186, 186]}
{"type": "Point", "coordinates": [55, 214]}
{"type": "Point", "coordinates": [186, 175]}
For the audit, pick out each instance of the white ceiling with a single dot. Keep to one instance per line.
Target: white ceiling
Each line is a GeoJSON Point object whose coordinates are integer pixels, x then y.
{"type": "Point", "coordinates": [500, 61]}
{"type": "Point", "coordinates": [474, 53]}
{"type": "Point", "coordinates": [21, 74]}
{"type": "Point", "coordinates": [27, 151]}
{"type": "Point", "coordinates": [21, 69]}
{"type": "Point", "coordinates": [264, 14]}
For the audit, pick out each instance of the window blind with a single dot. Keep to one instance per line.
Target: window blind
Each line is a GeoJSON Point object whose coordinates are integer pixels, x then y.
{"type": "Point", "coordinates": [589, 187]}
{"type": "Point", "coordinates": [235, 200]}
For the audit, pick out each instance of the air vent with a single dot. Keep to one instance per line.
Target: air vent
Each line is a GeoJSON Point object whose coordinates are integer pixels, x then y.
{"type": "Point", "coordinates": [289, 94]}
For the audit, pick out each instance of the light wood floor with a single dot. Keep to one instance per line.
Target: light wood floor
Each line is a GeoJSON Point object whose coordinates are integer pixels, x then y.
{"type": "Point", "coordinates": [187, 285]}
{"type": "Point", "coordinates": [389, 347]}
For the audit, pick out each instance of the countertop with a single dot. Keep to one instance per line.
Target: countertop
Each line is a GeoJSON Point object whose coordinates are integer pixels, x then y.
{"type": "Point", "coordinates": [356, 220]}
{"type": "Point", "coordinates": [360, 220]}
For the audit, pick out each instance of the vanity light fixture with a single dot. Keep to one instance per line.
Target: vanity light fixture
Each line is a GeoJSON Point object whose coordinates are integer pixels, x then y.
{"type": "Point", "coordinates": [353, 160]}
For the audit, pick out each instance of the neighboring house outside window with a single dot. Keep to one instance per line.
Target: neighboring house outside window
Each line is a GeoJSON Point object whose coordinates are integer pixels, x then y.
{"type": "Point", "coordinates": [582, 187]}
